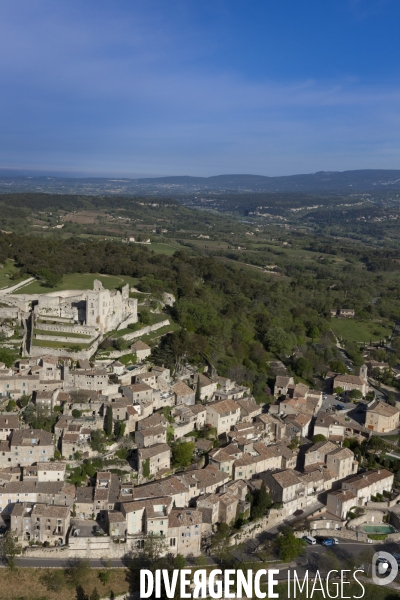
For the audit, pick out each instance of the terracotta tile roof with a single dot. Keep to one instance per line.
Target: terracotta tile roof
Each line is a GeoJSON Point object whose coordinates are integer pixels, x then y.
{"type": "Point", "coordinates": [181, 389]}
{"type": "Point", "coordinates": [286, 478]}
{"type": "Point", "coordinates": [224, 406]}
{"type": "Point", "coordinates": [383, 409]}
{"type": "Point", "coordinates": [180, 517]}
{"type": "Point", "coordinates": [139, 345]}
{"type": "Point", "coordinates": [155, 450]}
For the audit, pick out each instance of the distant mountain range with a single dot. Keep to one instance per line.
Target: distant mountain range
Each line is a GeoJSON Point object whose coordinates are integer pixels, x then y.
{"type": "Point", "coordinates": [331, 182]}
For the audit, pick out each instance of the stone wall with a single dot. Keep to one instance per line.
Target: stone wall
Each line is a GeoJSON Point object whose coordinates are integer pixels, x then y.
{"type": "Point", "coordinates": [251, 530]}
{"type": "Point", "coordinates": [9, 312]}
{"type": "Point", "coordinates": [41, 350]}
{"type": "Point", "coordinates": [370, 516]}
{"type": "Point", "coordinates": [384, 504]}
{"type": "Point", "coordinates": [60, 327]}
{"type": "Point", "coordinates": [144, 330]}
{"type": "Point", "coordinates": [62, 339]}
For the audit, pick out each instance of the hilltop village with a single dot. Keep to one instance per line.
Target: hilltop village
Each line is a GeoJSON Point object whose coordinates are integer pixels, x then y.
{"type": "Point", "coordinates": [95, 450]}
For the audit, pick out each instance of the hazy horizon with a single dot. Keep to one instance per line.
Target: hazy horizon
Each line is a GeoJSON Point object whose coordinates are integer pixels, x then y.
{"type": "Point", "coordinates": [202, 88]}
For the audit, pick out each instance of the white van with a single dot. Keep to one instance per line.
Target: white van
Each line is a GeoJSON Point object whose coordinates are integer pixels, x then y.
{"type": "Point", "coordinates": [310, 540]}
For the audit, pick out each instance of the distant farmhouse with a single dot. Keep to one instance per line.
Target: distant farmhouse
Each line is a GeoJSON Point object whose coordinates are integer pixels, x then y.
{"type": "Point", "coordinates": [343, 313]}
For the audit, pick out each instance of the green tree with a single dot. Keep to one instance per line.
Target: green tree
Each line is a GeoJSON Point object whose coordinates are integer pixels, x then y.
{"type": "Point", "coordinates": [198, 392]}
{"type": "Point", "coordinates": [10, 549]}
{"type": "Point", "coordinates": [338, 366]}
{"type": "Point", "coordinates": [11, 405]}
{"type": "Point", "coordinates": [338, 390]}
{"type": "Point", "coordinates": [108, 427]}
{"type": "Point", "coordinates": [120, 344]}
{"type": "Point", "coordinates": [104, 577]}
{"type": "Point", "coordinates": [280, 342]}
{"type": "Point", "coordinates": [78, 571]}
{"type": "Point", "coordinates": [288, 545]}
{"type": "Point", "coordinates": [318, 438]}
{"type": "Point", "coordinates": [261, 502]}
{"type": "Point", "coordinates": [53, 579]}
{"type": "Point", "coordinates": [146, 468]}
{"type": "Point", "coordinates": [355, 395]}
{"type": "Point", "coordinates": [220, 545]}
{"type": "Point", "coordinates": [120, 429]}
{"type": "Point", "coordinates": [8, 357]}
{"type": "Point", "coordinates": [94, 595]}
{"type": "Point", "coordinates": [23, 401]}
{"type": "Point", "coordinates": [97, 440]}
{"type": "Point", "coordinates": [182, 453]}
{"type": "Point", "coordinates": [76, 413]}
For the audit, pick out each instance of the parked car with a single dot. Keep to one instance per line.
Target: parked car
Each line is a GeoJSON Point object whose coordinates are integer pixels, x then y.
{"type": "Point", "coordinates": [310, 539]}
{"type": "Point", "coordinates": [330, 542]}
{"type": "Point", "coordinates": [340, 406]}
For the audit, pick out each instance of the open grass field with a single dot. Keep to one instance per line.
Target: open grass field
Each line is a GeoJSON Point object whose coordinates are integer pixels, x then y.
{"type": "Point", "coordinates": [161, 248]}
{"type": "Point", "coordinates": [50, 344]}
{"type": "Point", "coordinates": [28, 584]}
{"type": "Point", "coordinates": [80, 281]}
{"type": "Point", "coordinates": [360, 331]}
{"type": "Point", "coordinates": [8, 269]}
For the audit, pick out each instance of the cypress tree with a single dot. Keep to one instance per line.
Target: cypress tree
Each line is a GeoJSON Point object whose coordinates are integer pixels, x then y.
{"type": "Point", "coordinates": [109, 421]}
{"type": "Point", "coordinates": [197, 397]}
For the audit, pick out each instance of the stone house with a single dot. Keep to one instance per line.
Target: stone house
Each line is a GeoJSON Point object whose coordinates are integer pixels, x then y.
{"type": "Point", "coordinates": [147, 517]}
{"type": "Point", "coordinates": [117, 367]}
{"type": "Point", "coordinates": [297, 425]}
{"type": "Point", "coordinates": [161, 374]}
{"type": "Point", "coordinates": [84, 503]}
{"type": "Point", "coordinates": [184, 531]}
{"type": "Point", "coordinates": [224, 458]}
{"type": "Point", "coordinates": [207, 386]}
{"type": "Point", "coordinates": [116, 524]}
{"type": "Point", "coordinates": [54, 492]}
{"type": "Point", "coordinates": [18, 385]}
{"type": "Point", "coordinates": [344, 313]}
{"type": "Point", "coordinates": [149, 437]}
{"type": "Point", "coordinates": [381, 417]}
{"type": "Point", "coordinates": [218, 508]}
{"type": "Point", "coordinates": [27, 446]}
{"type": "Point", "coordinates": [40, 523]}
{"type": "Point", "coordinates": [157, 458]}
{"type": "Point", "coordinates": [52, 471]}
{"type": "Point", "coordinates": [96, 379]}
{"type": "Point", "coordinates": [223, 415]}
{"type": "Point", "coordinates": [369, 484]}
{"type": "Point", "coordinates": [262, 458]}
{"type": "Point", "coordinates": [183, 394]}
{"type": "Point", "coordinates": [316, 455]}
{"type": "Point", "coordinates": [10, 474]}
{"type": "Point", "coordinates": [281, 385]}
{"type": "Point", "coordinates": [330, 426]}
{"type": "Point", "coordinates": [170, 487]}
{"type": "Point", "coordinates": [273, 428]}
{"type": "Point", "coordinates": [249, 409]}
{"type": "Point", "coordinates": [353, 382]}
{"type": "Point", "coordinates": [202, 481]}
{"type": "Point", "coordinates": [342, 462]}
{"type": "Point", "coordinates": [340, 502]}
{"type": "Point", "coordinates": [9, 422]}
{"type": "Point", "coordinates": [285, 487]}
{"type": "Point", "coordinates": [153, 420]}
{"type": "Point", "coordinates": [138, 392]}
{"type": "Point", "coordinates": [141, 350]}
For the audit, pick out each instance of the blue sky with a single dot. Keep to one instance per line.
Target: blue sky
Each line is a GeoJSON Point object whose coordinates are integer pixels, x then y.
{"type": "Point", "coordinates": [199, 87]}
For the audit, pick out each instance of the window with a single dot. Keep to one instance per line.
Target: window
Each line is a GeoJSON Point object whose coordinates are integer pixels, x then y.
{"type": "Point", "coordinates": [172, 541]}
